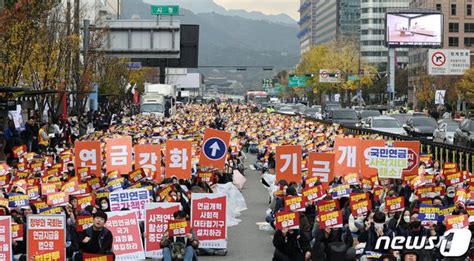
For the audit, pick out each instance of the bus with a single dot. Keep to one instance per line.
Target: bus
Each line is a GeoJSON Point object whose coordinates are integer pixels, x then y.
{"type": "Point", "coordinates": [258, 98]}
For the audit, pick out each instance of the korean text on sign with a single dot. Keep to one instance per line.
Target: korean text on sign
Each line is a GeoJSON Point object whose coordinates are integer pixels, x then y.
{"type": "Point", "coordinates": [157, 216]}
{"type": "Point", "coordinates": [46, 237]}
{"type": "Point", "coordinates": [208, 219]}
{"type": "Point", "coordinates": [133, 199]}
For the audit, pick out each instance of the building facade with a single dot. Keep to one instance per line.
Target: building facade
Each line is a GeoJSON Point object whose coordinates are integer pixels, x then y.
{"type": "Point", "coordinates": [372, 30]}
{"type": "Point", "coordinates": [323, 21]}
{"type": "Point", "coordinates": [458, 32]}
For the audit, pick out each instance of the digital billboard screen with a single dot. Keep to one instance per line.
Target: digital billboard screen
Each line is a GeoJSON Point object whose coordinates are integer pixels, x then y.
{"type": "Point", "coordinates": [404, 29]}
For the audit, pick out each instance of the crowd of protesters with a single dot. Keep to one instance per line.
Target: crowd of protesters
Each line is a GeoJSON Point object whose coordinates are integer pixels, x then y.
{"type": "Point", "coordinates": [252, 132]}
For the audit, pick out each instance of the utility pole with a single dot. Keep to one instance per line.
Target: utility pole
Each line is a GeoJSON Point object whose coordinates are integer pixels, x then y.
{"type": "Point", "coordinates": [77, 54]}
{"type": "Point", "coordinates": [118, 9]}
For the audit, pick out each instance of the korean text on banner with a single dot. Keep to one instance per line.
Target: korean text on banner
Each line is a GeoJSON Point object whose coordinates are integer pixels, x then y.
{"type": "Point", "coordinates": [208, 219]}
{"type": "Point", "coordinates": [133, 199]}
{"type": "Point", "coordinates": [119, 154]}
{"type": "Point", "coordinates": [46, 237]}
{"type": "Point", "coordinates": [332, 219]}
{"type": "Point", "coordinates": [390, 162]}
{"type": "Point", "coordinates": [288, 163]}
{"type": "Point", "coordinates": [5, 238]}
{"type": "Point", "coordinates": [413, 155]}
{"type": "Point", "coordinates": [148, 157]}
{"type": "Point", "coordinates": [321, 165]}
{"type": "Point", "coordinates": [346, 156]}
{"type": "Point", "coordinates": [127, 243]}
{"type": "Point", "coordinates": [284, 219]}
{"type": "Point", "coordinates": [364, 157]}
{"type": "Point", "coordinates": [156, 224]}
{"type": "Point", "coordinates": [214, 148]}
{"type": "Point", "coordinates": [88, 154]}
{"type": "Point", "coordinates": [178, 159]}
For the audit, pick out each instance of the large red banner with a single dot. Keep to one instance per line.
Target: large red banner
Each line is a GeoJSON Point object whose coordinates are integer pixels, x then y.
{"type": "Point", "coordinates": [127, 239]}
{"type": "Point", "coordinates": [156, 224]}
{"type": "Point", "coordinates": [88, 154]}
{"type": "Point", "coordinates": [5, 238]}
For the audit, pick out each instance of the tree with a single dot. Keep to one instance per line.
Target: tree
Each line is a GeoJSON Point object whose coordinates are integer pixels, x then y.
{"type": "Point", "coordinates": [465, 87]}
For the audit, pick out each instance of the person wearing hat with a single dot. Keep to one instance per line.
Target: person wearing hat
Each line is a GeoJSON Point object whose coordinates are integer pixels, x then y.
{"type": "Point", "coordinates": [186, 245]}
{"type": "Point", "coordinates": [97, 239]}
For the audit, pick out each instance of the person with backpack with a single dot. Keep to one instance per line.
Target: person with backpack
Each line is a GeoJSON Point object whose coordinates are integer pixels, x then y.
{"type": "Point", "coordinates": [181, 248]}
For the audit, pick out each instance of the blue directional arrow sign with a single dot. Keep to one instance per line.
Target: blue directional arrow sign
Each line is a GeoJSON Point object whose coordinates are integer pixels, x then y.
{"type": "Point", "coordinates": [215, 148]}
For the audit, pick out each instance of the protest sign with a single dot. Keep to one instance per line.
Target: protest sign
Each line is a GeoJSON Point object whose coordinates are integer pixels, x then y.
{"type": "Point", "coordinates": [346, 160]}
{"type": "Point", "coordinates": [178, 228]}
{"type": "Point", "coordinates": [157, 216]}
{"type": "Point", "coordinates": [5, 238]}
{"type": "Point", "coordinates": [294, 203]}
{"type": "Point", "coordinates": [321, 166]}
{"type": "Point", "coordinates": [127, 243]}
{"type": "Point", "coordinates": [57, 198]}
{"type": "Point", "coordinates": [46, 237]}
{"type": "Point", "coordinates": [18, 200]}
{"type": "Point", "coordinates": [85, 200]}
{"type": "Point", "coordinates": [427, 214]}
{"type": "Point", "coordinates": [312, 194]}
{"type": "Point", "coordinates": [88, 154]}
{"type": "Point", "coordinates": [289, 220]}
{"type": "Point", "coordinates": [332, 219]}
{"type": "Point", "coordinates": [17, 231]}
{"type": "Point", "coordinates": [327, 205]}
{"type": "Point", "coordinates": [456, 221]}
{"type": "Point", "coordinates": [208, 219]}
{"type": "Point", "coordinates": [390, 162]}
{"type": "Point", "coordinates": [341, 191]}
{"type": "Point", "coordinates": [364, 157]}
{"type": "Point", "coordinates": [413, 148]}
{"type": "Point", "coordinates": [178, 159]}
{"type": "Point", "coordinates": [288, 163]}
{"type": "Point", "coordinates": [119, 154]}
{"type": "Point", "coordinates": [361, 207]}
{"type": "Point", "coordinates": [83, 223]}
{"type": "Point", "coordinates": [214, 148]}
{"type": "Point", "coordinates": [97, 257]}
{"type": "Point", "coordinates": [148, 157]}
{"type": "Point", "coordinates": [394, 204]}
{"type": "Point", "coordinates": [354, 197]}
{"type": "Point", "coordinates": [133, 199]}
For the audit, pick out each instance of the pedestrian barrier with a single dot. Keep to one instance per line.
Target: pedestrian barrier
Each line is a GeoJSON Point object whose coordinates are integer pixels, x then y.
{"type": "Point", "coordinates": [441, 152]}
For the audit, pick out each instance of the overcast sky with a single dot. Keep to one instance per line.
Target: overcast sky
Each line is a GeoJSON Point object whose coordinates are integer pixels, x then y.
{"type": "Point", "coordinates": [290, 7]}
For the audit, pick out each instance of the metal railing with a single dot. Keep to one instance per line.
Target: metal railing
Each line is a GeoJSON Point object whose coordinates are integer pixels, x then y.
{"type": "Point", "coordinates": [441, 152]}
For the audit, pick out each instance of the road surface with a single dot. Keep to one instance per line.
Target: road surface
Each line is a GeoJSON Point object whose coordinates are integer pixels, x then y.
{"type": "Point", "coordinates": [246, 241]}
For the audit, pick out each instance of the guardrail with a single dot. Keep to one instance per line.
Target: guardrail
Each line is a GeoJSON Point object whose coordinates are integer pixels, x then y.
{"type": "Point", "coordinates": [441, 152]}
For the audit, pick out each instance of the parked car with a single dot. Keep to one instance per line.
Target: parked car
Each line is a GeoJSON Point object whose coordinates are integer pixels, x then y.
{"type": "Point", "coordinates": [343, 116]}
{"type": "Point", "coordinates": [401, 118]}
{"type": "Point", "coordinates": [368, 113]}
{"type": "Point", "coordinates": [299, 108]}
{"type": "Point", "coordinates": [313, 112]}
{"type": "Point", "coordinates": [445, 131]}
{"type": "Point", "coordinates": [328, 107]}
{"type": "Point", "coordinates": [287, 110]}
{"type": "Point", "coordinates": [385, 124]}
{"type": "Point", "coordinates": [421, 126]}
{"type": "Point", "coordinates": [464, 136]}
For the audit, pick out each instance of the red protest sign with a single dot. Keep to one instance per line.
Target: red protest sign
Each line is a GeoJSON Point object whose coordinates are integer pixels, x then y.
{"type": "Point", "coordinates": [83, 223]}
{"type": "Point", "coordinates": [83, 173]}
{"type": "Point", "coordinates": [214, 148]}
{"type": "Point", "coordinates": [17, 231]}
{"type": "Point", "coordinates": [19, 151]}
{"type": "Point", "coordinates": [346, 156]}
{"type": "Point", "coordinates": [136, 175]}
{"type": "Point", "coordinates": [207, 177]}
{"type": "Point", "coordinates": [358, 196]}
{"type": "Point", "coordinates": [85, 200]}
{"type": "Point", "coordinates": [288, 163]}
{"type": "Point", "coordinates": [351, 179]}
{"type": "Point", "coordinates": [456, 221]}
{"type": "Point", "coordinates": [148, 157]}
{"type": "Point", "coordinates": [157, 216]}
{"type": "Point", "coordinates": [359, 208]}
{"type": "Point", "coordinates": [97, 257]}
{"type": "Point", "coordinates": [127, 243]}
{"type": "Point", "coordinates": [208, 219]}
{"type": "Point", "coordinates": [46, 237]}
{"type": "Point", "coordinates": [321, 165]}
{"type": "Point", "coordinates": [312, 194]}
{"type": "Point", "coordinates": [294, 203]}
{"type": "Point", "coordinates": [119, 154]}
{"type": "Point", "coordinates": [394, 204]}
{"type": "Point", "coordinates": [6, 238]}
{"type": "Point", "coordinates": [178, 228]}
{"type": "Point", "coordinates": [332, 219]}
{"type": "Point", "coordinates": [327, 205]}
{"type": "Point", "coordinates": [57, 198]}
{"type": "Point", "coordinates": [290, 220]}
{"type": "Point", "coordinates": [88, 154]}
{"type": "Point", "coordinates": [178, 159]}
{"type": "Point", "coordinates": [453, 179]}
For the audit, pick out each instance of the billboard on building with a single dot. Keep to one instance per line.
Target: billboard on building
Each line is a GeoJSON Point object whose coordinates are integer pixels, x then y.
{"type": "Point", "coordinates": [411, 29]}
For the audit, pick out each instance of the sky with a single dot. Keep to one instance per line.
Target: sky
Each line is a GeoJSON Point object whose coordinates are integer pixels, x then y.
{"type": "Point", "coordinates": [289, 7]}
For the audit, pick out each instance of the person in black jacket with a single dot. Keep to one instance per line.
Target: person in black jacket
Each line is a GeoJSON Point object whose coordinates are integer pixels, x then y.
{"type": "Point", "coordinates": [97, 239]}
{"type": "Point", "coordinates": [376, 228]}
{"type": "Point", "coordinates": [291, 245]}
{"type": "Point", "coordinates": [30, 134]}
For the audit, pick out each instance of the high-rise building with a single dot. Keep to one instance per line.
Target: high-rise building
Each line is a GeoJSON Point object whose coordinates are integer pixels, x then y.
{"type": "Point", "coordinates": [458, 32]}
{"type": "Point", "coordinates": [372, 30]}
{"type": "Point", "coordinates": [323, 21]}
{"type": "Point", "coordinates": [306, 25]}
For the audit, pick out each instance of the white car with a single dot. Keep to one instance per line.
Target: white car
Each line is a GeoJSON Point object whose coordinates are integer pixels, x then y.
{"type": "Point", "coordinates": [287, 110]}
{"type": "Point", "coordinates": [445, 131]}
{"type": "Point", "coordinates": [385, 124]}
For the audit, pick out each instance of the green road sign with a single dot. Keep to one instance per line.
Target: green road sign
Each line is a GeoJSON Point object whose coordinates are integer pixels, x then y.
{"type": "Point", "coordinates": [165, 9]}
{"type": "Point", "coordinates": [297, 81]}
{"type": "Point", "coordinates": [353, 78]}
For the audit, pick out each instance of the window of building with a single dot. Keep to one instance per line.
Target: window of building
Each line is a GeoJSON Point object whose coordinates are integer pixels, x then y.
{"type": "Point", "coordinates": [469, 10]}
{"type": "Point", "coordinates": [453, 41]}
{"type": "Point", "coordinates": [438, 7]}
{"type": "Point", "coordinates": [453, 9]}
{"type": "Point", "coordinates": [469, 27]}
{"type": "Point", "coordinates": [454, 27]}
{"type": "Point", "coordinates": [469, 41]}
